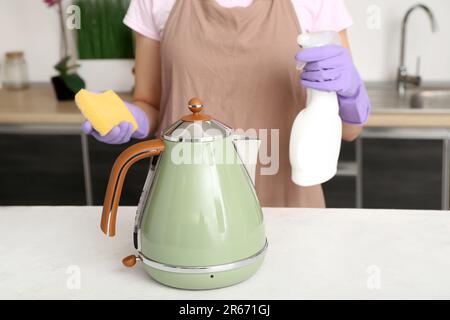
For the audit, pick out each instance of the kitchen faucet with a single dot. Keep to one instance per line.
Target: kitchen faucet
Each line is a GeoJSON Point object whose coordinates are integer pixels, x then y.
{"type": "Point", "coordinates": [403, 78]}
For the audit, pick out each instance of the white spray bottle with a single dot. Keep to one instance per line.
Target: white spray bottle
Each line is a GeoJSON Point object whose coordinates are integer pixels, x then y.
{"type": "Point", "coordinates": [317, 131]}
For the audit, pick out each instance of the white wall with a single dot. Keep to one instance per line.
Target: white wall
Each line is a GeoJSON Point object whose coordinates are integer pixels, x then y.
{"type": "Point", "coordinates": [28, 25]}
{"type": "Point", "coordinates": [377, 52]}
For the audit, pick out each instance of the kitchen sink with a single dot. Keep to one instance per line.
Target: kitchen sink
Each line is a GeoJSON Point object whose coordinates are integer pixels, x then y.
{"type": "Point", "coordinates": [431, 99]}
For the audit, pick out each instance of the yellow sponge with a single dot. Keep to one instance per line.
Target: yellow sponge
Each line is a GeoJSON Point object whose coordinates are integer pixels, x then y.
{"type": "Point", "coordinates": [104, 110]}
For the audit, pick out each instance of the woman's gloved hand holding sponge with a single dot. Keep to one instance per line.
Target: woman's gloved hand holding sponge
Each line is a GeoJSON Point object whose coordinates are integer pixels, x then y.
{"type": "Point", "coordinates": [110, 119]}
{"type": "Point", "coordinates": [331, 68]}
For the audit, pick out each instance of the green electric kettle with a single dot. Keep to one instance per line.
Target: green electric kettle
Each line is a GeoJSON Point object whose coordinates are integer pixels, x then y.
{"type": "Point", "coordinates": [199, 224]}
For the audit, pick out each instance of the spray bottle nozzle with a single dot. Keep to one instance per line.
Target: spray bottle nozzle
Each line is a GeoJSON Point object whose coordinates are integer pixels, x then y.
{"type": "Point", "coordinates": [314, 40]}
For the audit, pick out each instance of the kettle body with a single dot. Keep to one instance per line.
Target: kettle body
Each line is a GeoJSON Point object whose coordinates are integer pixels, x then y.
{"type": "Point", "coordinates": [199, 224]}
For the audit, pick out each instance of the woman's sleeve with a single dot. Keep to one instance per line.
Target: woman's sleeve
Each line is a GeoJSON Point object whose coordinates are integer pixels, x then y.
{"type": "Point", "coordinates": [140, 18]}
{"type": "Point", "coordinates": [330, 15]}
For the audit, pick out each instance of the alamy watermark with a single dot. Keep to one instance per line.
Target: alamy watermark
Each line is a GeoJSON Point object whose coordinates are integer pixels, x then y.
{"type": "Point", "coordinates": [73, 18]}
{"type": "Point", "coordinates": [248, 147]}
{"type": "Point", "coordinates": [74, 277]}
{"type": "Point", "coordinates": [373, 21]}
{"type": "Point", "coordinates": [374, 277]}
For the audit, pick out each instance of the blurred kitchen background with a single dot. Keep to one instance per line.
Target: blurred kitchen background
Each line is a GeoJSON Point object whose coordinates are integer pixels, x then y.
{"type": "Point", "coordinates": [402, 160]}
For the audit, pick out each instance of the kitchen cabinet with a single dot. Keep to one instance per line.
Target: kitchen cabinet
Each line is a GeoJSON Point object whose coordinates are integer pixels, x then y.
{"type": "Point", "coordinates": [48, 170]}
{"type": "Point", "coordinates": [340, 192]}
{"type": "Point", "coordinates": [41, 170]}
{"type": "Point", "coordinates": [402, 174]}
{"type": "Point", "coordinates": [393, 174]}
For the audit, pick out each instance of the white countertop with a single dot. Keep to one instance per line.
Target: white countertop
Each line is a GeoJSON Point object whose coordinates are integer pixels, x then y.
{"type": "Point", "coordinates": [341, 254]}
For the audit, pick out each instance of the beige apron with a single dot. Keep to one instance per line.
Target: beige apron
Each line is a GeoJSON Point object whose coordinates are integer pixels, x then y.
{"type": "Point", "coordinates": [240, 62]}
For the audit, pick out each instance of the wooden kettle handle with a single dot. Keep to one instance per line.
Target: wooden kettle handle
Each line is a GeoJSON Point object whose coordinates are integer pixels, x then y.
{"type": "Point", "coordinates": [123, 163]}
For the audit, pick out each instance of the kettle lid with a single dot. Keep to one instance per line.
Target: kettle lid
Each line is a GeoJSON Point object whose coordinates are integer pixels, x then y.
{"type": "Point", "coordinates": [196, 127]}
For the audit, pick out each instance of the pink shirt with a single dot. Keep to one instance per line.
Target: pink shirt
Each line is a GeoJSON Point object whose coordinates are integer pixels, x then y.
{"type": "Point", "coordinates": [148, 17]}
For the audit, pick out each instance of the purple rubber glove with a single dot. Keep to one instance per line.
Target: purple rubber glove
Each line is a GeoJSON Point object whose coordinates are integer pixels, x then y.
{"type": "Point", "coordinates": [124, 131]}
{"type": "Point", "coordinates": [331, 68]}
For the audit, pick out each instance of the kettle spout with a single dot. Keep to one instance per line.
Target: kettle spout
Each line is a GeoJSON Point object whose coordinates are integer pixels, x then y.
{"type": "Point", "coordinates": [248, 149]}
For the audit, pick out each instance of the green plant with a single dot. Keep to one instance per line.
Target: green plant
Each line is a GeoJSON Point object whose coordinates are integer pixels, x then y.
{"type": "Point", "coordinates": [72, 80]}
{"type": "Point", "coordinates": [103, 34]}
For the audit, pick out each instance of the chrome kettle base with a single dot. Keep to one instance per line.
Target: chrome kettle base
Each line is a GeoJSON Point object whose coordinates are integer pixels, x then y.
{"type": "Point", "coordinates": [203, 278]}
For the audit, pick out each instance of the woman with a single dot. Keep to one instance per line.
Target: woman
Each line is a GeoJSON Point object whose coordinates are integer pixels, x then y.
{"type": "Point", "coordinates": [238, 56]}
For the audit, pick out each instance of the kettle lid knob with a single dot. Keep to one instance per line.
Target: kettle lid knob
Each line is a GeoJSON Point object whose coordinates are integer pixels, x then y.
{"type": "Point", "coordinates": [196, 106]}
